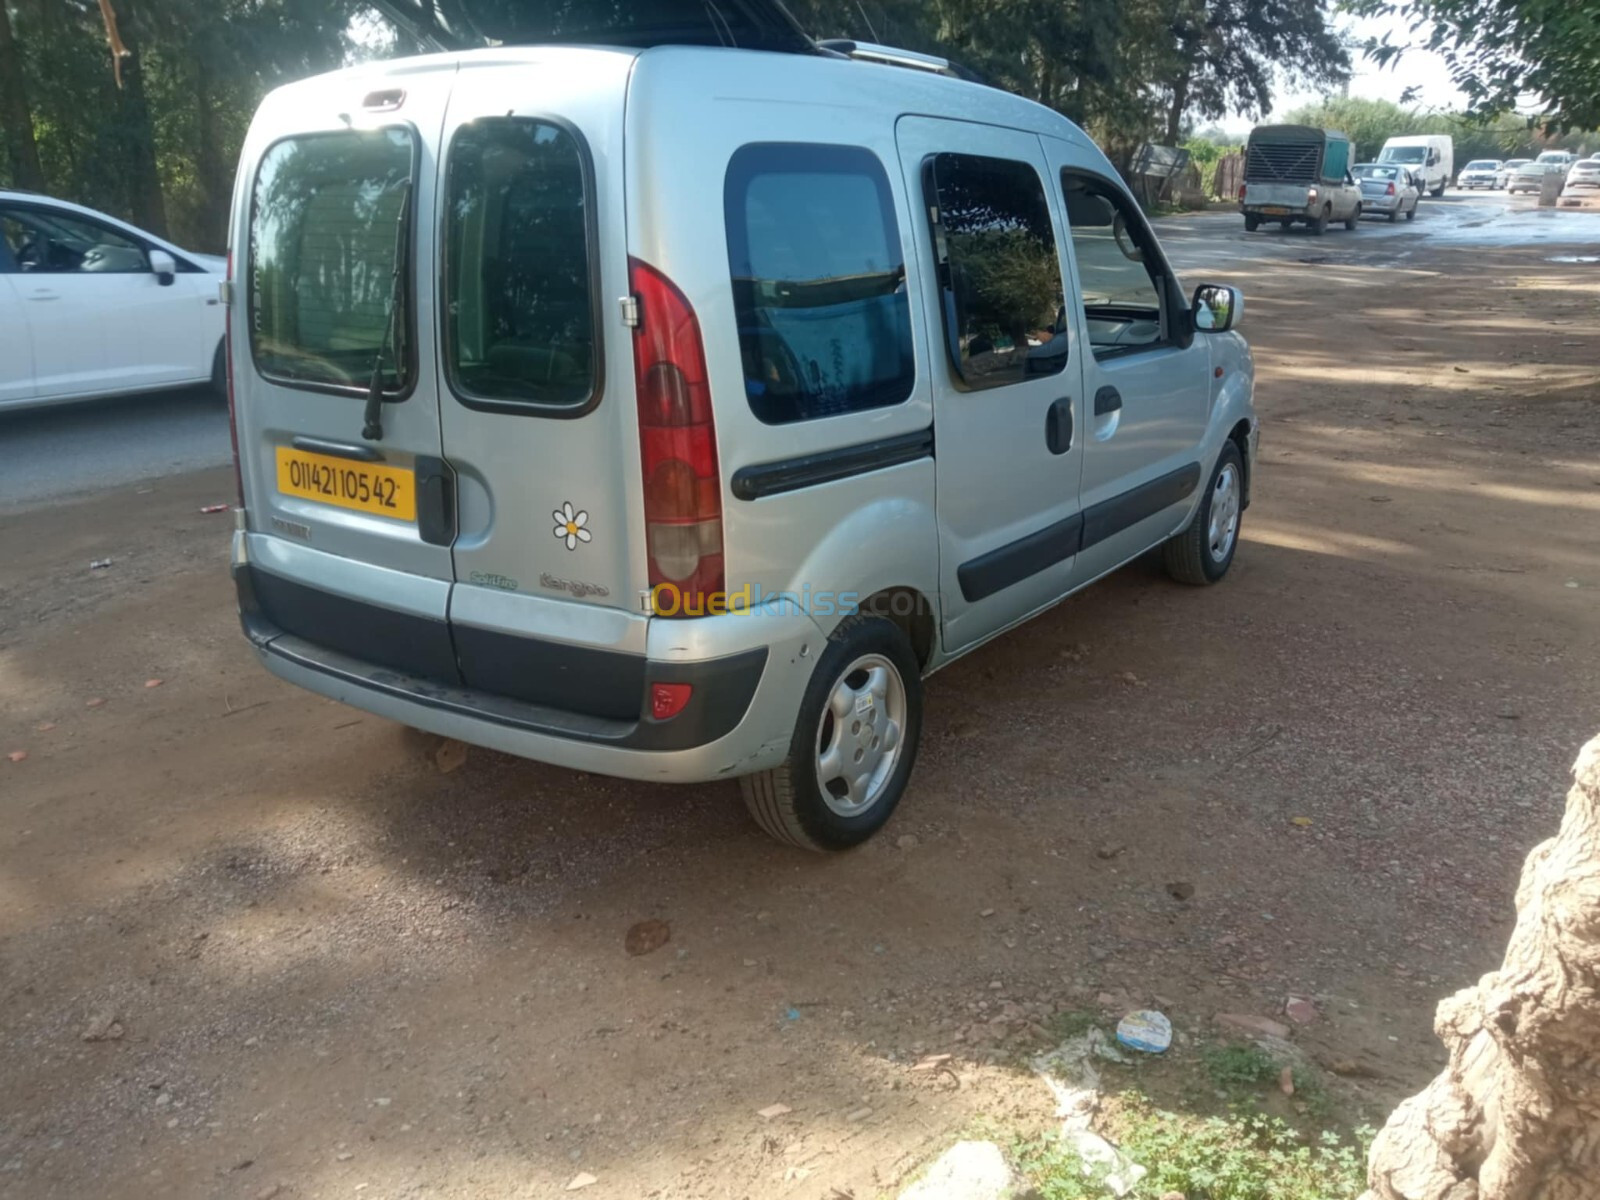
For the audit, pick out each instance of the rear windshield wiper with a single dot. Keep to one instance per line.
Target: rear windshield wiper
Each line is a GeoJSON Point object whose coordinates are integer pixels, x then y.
{"type": "Point", "coordinates": [372, 424]}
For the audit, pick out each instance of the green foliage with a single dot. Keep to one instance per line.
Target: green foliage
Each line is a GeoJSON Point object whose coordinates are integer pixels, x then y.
{"type": "Point", "coordinates": [1502, 51]}
{"type": "Point", "coordinates": [1234, 1158]}
{"type": "Point", "coordinates": [1370, 123]}
{"type": "Point", "coordinates": [1240, 1065]}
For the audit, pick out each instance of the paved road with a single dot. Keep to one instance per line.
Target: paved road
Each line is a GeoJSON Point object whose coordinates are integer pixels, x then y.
{"type": "Point", "coordinates": [49, 453]}
{"type": "Point", "coordinates": [52, 453]}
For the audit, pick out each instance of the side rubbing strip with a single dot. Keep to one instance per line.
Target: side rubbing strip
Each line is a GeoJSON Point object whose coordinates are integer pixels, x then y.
{"type": "Point", "coordinates": [809, 470]}
{"type": "Point", "coordinates": [999, 569]}
{"type": "Point", "coordinates": [1111, 517]}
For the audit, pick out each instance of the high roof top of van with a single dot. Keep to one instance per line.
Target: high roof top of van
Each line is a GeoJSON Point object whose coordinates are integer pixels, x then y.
{"type": "Point", "coordinates": [832, 80]}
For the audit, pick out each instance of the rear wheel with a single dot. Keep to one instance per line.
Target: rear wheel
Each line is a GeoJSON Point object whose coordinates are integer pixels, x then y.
{"type": "Point", "coordinates": [1252, 222]}
{"type": "Point", "coordinates": [1203, 552]}
{"type": "Point", "coordinates": [1353, 219]}
{"type": "Point", "coordinates": [1437, 192]}
{"type": "Point", "coordinates": [1411, 214]}
{"type": "Point", "coordinates": [854, 743]}
{"type": "Point", "coordinates": [1320, 225]}
{"type": "Point", "coordinates": [1394, 214]}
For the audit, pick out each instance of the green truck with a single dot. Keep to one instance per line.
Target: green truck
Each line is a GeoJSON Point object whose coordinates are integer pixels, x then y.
{"type": "Point", "coordinates": [1298, 173]}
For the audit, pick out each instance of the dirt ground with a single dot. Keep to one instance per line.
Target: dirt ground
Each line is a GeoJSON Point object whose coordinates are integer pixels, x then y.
{"type": "Point", "coordinates": [319, 966]}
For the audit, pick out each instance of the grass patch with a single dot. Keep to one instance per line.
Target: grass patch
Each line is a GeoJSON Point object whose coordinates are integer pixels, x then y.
{"type": "Point", "coordinates": [1239, 1070]}
{"type": "Point", "coordinates": [1074, 1022]}
{"type": "Point", "coordinates": [1204, 1158]}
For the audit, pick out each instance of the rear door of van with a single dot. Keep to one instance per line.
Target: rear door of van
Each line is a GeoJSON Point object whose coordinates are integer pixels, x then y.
{"type": "Point", "coordinates": [535, 375]}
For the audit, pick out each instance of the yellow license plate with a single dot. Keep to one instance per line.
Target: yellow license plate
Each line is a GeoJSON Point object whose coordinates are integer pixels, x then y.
{"type": "Point", "coordinates": [1276, 211]}
{"type": "Point", "coordinates": [366, 487]}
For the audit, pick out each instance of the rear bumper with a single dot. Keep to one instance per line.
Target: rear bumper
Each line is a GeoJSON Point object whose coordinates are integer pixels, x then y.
{"type": "Point", "coordinates": [739, 717]}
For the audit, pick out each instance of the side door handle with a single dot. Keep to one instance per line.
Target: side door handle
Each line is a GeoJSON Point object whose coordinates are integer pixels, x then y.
{"type": "Point", "coordinates": [43, 294]}
{"type": "Point", "coordinates": [1107, 400]}
{"type": "Point", "coordinates": [1058, 426]}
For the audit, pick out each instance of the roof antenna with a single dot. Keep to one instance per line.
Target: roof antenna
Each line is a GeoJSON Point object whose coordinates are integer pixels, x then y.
{"type": "Point", "coordinates": [870, 27]}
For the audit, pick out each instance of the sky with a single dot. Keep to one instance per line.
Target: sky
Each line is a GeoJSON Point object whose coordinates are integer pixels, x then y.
{"type": "Point", "coordinates": [1420, 69]}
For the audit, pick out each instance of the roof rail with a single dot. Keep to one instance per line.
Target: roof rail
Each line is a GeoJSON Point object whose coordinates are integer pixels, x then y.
{"type": "Point", "coordinates": [893, 56]}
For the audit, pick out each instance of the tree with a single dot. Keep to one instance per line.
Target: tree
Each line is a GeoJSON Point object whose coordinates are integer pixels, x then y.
{"type": "Point", "coordinates": [1516, 1115]}
{"type": "Point", "coordinates": [16, 117]}
{"type": "Point", "coordinates": [1506, 54]}
{"type": "Point", "coordinates": [1223, 55]}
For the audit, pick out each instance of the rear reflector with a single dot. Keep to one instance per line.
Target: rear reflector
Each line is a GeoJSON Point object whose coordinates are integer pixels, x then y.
{"type": "Point", "coordinates": [677, 447]}
{"type": "Point", "coordinates": [667, 700]}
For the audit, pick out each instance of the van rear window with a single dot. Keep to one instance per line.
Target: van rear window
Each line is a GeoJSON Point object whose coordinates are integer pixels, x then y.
{"type": "Point", "coordinates": [519, 289]}
{"type": "Point", "coordinates": [329, 218]}
{"type": "Point", "coordinates": [819, 281]}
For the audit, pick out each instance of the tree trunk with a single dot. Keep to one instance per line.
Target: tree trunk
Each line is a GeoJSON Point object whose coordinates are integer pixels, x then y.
{"type": "Point", "coordinates": [145, 203]}
{"type": "Point", "coordinates": [16, 118]}
{"type": "Point", "coordinates": [211, 168]}
{"type": "Point", "coordinates": [1176, 109]}
{"type": "Point", "coordinates": [1516, 1114]}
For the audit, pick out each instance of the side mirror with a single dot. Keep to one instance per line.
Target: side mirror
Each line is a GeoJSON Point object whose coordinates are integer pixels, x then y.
{"type": "Point", "coordinates": [163, 267]}
{"type": "Point", "coordinates": [1216, 308]}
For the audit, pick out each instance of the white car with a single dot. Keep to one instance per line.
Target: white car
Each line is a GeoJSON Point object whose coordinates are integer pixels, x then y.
{"type": "Point", "coordinates": [1585, 173]}
{"type": "Point", "coordinates": [1481, 173]}
{"type": "Point", "coordinates": [91, 306]}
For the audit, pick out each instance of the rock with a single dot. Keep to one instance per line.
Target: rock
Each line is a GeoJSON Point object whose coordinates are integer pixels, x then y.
{"type": "Point", "coordinates": [1300, 1010]}
{"type": "Point", "coordinates": [17, 756]}
{"type": "Point", "coordinates": [773, 1111]}
{"type": "Point", "coordinates": [1246, 1023]}
{"type": "Point", "coordinates": [1286, 1081]}
{"type": "Point", "coordinates": [907, 841]}
{"type": "Point", "coordinates": [1351, 1069]}
{"type": "Point", "coordinates": [271, 1192]}
{"type": "Point", "coordinates": [1181, 890]}
{"type": "Point", "coordinates": [581, 1180]}
{"type": "Point", "coordinates": [1110, 852]}
{"type": "Point", "coordinates": [966, 1171]}
{"type": "Point", "coordinates": [858, 1116]}
{"type": "Point", "coordinates": [646, 937]}
{"type": "Point", "coordinates": [103, 1027]}
{"type": "Point", "coordinates": [986, 913]}
{"type": "Point", "coordinates": [344, 1155]}
{"type": "Point", "coordinates": [450, 756]}
{"type": "Point", "coordinates": [1173, 1196]}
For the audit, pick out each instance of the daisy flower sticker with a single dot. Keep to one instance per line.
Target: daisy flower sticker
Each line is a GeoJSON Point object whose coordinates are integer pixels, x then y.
{"type": "Point", "coordinates": [570, 526]}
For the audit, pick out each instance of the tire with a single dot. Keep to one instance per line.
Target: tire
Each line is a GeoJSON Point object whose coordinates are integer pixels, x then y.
{"type": "Point", "coordinates": [792, 802]}
{"type": "Point", "coordinates": [1394, 215]}
{"type": "Point", "coordinates": [1353, 219]}
{"type": "Point", "coordinates": [1252, 222]}
{"type": "Point", "coordinates": [1287, 225]}
{"type": "Point", "coordinates": [1320, 225]}
{"type": "Point", "coordinates": [1437, 192]}
{"type": "Point", "coordinates": [1201, 555]}
{"type": "Point", "coordinates": [219, 372]}
{"type": "Point", "coordinates": [1411, 214]}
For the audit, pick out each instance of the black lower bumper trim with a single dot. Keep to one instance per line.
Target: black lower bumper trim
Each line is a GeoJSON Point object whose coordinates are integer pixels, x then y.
{"type": "Point", "coordinates": [722, 688]}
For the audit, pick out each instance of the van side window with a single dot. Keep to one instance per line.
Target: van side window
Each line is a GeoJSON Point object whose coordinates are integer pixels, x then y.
{"type": "Point", "coordinates": [999, 271]}
{"type": "Point", "coordinates": [329, 214]}
{"type": "Point", "coordinates": [1119, 267]}
{"type": "Point", "coordinates": [519, 289]}
{"type": "Point", "coordinates": [819, 281]}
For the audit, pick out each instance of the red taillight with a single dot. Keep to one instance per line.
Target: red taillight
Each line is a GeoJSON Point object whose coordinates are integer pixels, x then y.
{"type": "Point", "coordinates": [227, 367]}
{"type": "Point", "coordinates": [1241, 191]}
{"type": "Point", "coordinates": [1390, 190]}
{"type": "Point", "coordinates": [667, 700]}
{"type": "Point", "coordinates": [677, 448]}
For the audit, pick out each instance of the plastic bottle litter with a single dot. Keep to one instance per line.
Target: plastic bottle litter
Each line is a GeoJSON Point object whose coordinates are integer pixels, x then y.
{"type": "Point", "coordinates": [1147, 1030]}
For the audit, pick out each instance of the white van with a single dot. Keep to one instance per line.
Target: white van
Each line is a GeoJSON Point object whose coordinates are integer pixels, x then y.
{"type": "Point", "coordinates": [672, 413]}
{"type": "Point", "coordinates": [1431, 157]}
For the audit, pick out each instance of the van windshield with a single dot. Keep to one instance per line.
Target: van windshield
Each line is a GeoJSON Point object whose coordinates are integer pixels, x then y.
{"type": "Point", "coordinates": [327, 219]}
{"type": "Point", "coordinates": [1404, 154]}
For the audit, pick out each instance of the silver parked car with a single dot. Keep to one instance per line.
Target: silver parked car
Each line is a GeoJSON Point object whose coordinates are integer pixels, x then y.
{"type": "Point", "coordinates": [1509, 168]}
{"type": "Point", "coordinates": [1530, 176]}
{"type": "Point", "coordinates": [587, 402]}
{"type": "Point", "coordinates": [1387, 190]}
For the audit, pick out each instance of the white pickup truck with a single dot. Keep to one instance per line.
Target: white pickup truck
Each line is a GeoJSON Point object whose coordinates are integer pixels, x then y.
{"type": "Point", "coordinates": [1297, 173]}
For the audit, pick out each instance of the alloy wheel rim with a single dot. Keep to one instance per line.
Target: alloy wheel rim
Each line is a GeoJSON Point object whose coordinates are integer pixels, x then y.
{"type": "Point", "coordinates": [860, 735]}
